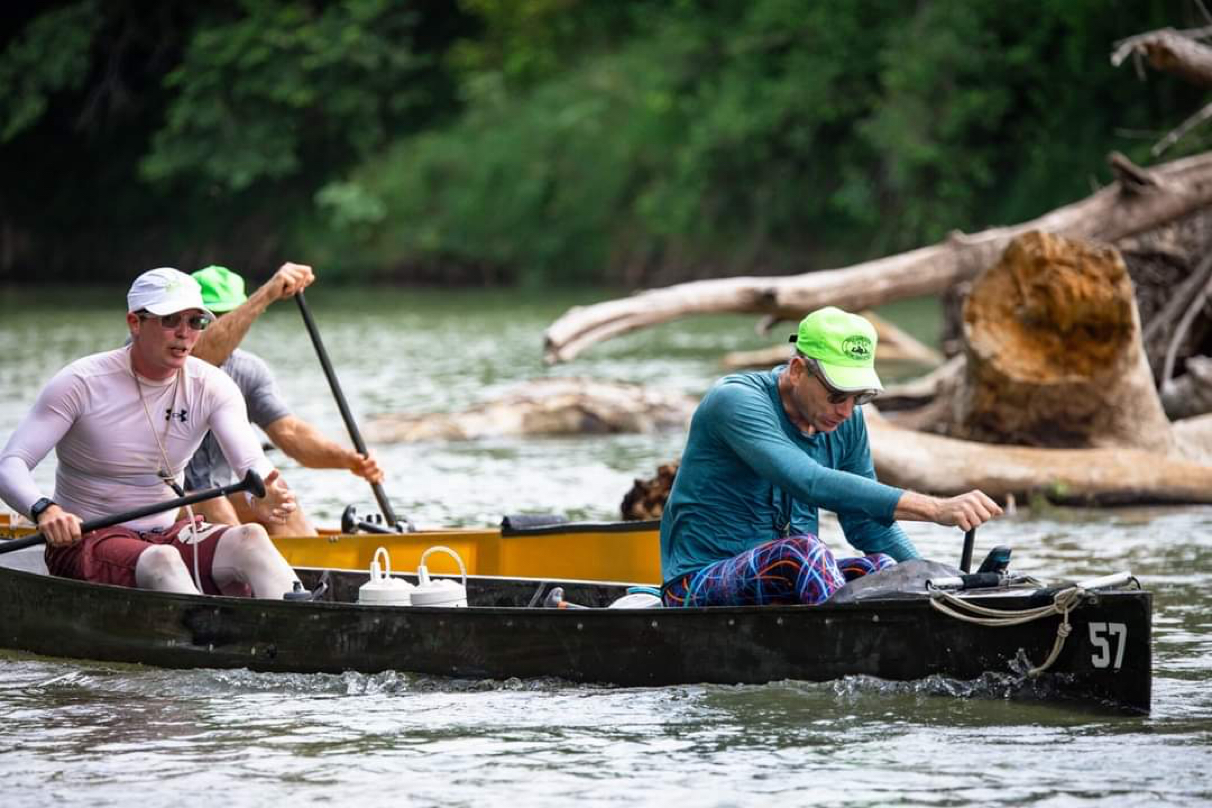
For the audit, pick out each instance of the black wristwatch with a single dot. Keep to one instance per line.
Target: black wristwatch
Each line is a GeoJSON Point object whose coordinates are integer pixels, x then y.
{"type": "Point", "coordinates": [38, 507]}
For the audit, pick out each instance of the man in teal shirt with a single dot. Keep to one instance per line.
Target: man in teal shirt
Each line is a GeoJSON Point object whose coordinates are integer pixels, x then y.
{"type": "Point", "coordinates": [765, 451]}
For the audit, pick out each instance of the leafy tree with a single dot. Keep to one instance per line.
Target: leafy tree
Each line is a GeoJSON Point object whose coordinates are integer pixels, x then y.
{"type": "Point", "coordinates": [187, 132]}
{"type": "Point", "coordinates": [767, 136]}
{"type": "Point", "coordinates": [260, 93]}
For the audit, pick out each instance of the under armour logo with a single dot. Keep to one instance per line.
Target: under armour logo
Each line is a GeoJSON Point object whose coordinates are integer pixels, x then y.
{"type": "Point", "coordinates": [180, 415]}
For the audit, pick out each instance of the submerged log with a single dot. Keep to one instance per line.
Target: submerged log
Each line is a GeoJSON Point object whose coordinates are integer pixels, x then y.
{"type": "Point", "coordinates": [552, 406]}
{"type": "Point", "coordinates": [1137, 201]}
{"type": "Point", "coordinates": [1054, 352]}
{"type": "Point", "coordinates": [946, 467]}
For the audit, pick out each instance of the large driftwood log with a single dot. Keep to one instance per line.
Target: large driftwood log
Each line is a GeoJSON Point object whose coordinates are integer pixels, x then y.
{"type": "Point", "coordinates": [1138, 200]}
{"type": "Point", "coordinates": [942, 466]}
{"type": "Point", "coordinates": [552, 406]}
{"type": "Point", "coordinates": [948, 466]}
{"type": "Point", "coordinates": [1054, 352]}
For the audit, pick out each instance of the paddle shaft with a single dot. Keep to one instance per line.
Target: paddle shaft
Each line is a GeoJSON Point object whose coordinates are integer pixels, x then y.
{"type": "Point", "coordinates": [966, 555]}
{"type": "Point", "coordinates": [342, 405]}
{"type": "Point", "coordinates": [251, 482]}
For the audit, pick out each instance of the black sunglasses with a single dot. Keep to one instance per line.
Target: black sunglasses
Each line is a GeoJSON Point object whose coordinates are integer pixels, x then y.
{"type": "Point", "coordinates": [835, 395]}
{"type": "Point", "coordinates": [196, 322]}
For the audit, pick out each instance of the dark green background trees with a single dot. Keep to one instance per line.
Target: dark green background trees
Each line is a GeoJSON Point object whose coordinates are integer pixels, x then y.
{"type": "Point", "coordinates": [546, 141]}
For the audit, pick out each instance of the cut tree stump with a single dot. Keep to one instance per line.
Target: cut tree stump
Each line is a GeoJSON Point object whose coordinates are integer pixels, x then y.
{"type": "Point", "coordinates": [1054, 352]}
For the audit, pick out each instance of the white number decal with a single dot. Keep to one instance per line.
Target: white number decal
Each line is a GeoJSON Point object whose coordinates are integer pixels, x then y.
{"type": "Point", "coordinates": [1101, 637]}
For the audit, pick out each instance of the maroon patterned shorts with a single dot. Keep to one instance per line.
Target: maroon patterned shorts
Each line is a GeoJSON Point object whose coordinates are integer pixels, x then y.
{"type": "Point", "coordinates": [109, 555]}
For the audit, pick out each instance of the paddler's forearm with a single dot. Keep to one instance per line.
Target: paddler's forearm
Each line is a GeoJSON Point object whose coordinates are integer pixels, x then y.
{"type": "Point", "coordinates": [225, 334]}
{"type": "Point", "coordinates": [965, 511]}
{"type": "Point", "coordinates": [307, 446]}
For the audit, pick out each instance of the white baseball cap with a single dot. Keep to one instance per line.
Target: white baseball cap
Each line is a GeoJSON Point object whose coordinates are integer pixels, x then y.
{"type": "Point", "coordinates": [165, 291]}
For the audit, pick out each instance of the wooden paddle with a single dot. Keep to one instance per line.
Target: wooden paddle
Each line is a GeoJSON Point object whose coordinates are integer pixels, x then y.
{"type": "Point", "coordinates": [252, 483]}
{"type": "Point", "coordinates": [384, 505]}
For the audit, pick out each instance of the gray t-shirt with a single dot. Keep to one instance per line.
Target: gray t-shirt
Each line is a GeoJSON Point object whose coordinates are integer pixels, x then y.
{"type": "Point", "coordinates": [208, 467]}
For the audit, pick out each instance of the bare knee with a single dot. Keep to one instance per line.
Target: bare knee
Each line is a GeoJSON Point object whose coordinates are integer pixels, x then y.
{"type": "Point", "coordinates": [240, 545]}
{"type": "Point", "coordinates": [160, 567]}
{"type": "Point", "coordinates": [251, 533]}
{"type": "Point", "coordinates": [247, 554]}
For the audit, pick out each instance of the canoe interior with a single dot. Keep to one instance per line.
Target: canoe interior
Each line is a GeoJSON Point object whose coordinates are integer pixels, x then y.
{"type": "Point", "coordinates": [609, 551]}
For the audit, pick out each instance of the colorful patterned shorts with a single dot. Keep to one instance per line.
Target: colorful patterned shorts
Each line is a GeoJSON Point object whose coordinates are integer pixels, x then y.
{"type": "Point", "coordinates": [798, 569]}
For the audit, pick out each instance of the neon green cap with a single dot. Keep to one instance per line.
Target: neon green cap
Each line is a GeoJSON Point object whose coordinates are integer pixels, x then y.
{"type": "Point", "coordinates": [844, 346]}
{"type": "Point", "coordinates": [222, 289]}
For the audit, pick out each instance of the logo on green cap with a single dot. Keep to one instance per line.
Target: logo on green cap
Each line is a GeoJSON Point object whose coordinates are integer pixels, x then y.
{"type": "Point", "coordinates": [857, 348]}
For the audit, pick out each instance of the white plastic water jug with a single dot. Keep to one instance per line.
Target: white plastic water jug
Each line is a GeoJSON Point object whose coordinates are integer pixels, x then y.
{"type": "Point", "coordinates": [444, 591]}
{"type": "Point", "coordinates": [382, 589]}
{"type": "Point", "coordinates": [637, 600]}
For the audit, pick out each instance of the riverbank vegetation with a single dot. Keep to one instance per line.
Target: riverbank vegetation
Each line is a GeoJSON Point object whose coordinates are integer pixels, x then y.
{"type": "Point", "coordinates": [554, 141]}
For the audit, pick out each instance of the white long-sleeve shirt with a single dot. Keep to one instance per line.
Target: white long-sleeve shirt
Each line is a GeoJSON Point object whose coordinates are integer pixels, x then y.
{"type": "Point", "coordinates": [109, 461]}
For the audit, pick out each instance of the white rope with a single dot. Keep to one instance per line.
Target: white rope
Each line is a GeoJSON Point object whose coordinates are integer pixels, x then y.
{"type": "Point", "coordinates": [1062, 603]}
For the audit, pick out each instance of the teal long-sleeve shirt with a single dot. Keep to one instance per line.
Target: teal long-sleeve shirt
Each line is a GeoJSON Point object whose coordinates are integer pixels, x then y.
{"type": "Point", "coordinates": [748, 476]}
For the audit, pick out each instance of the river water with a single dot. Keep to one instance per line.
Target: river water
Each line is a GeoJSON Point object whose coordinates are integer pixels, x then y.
{"type": "Point", "coordinates": [90, 734]}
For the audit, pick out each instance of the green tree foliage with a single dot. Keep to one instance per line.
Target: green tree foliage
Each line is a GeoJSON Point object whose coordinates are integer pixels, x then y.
{"type": "Point", "coordinates": [154, 133]}
{"type": "Point", "coordinates": [259, 93]}
{"type": "Point", "coordinates": [49, 56]}
{"type": "Point", "coordinates": [763, 136]}
{"type": "Point", "coordinates": [627, 141]}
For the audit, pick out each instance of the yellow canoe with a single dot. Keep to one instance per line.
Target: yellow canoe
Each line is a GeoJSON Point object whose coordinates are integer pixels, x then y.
{"type": "Point", "coordinates": [596, 551]}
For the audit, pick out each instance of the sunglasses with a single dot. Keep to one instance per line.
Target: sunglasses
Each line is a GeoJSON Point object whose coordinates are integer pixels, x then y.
{"type": "Point", "coordinates": [196, 322]}
{"type": "Point", "coordinates": [841, 396]}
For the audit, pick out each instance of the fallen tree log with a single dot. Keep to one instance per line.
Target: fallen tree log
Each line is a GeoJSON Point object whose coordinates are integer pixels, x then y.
{"type": "Point", "coordinates": [944, 467]}
{"type": "Point", "coordinates": [947, 466]}
{"type": "Point", "coordinates": [551, 406]}
{"type": "Point", "coordinates": [1137, 201]}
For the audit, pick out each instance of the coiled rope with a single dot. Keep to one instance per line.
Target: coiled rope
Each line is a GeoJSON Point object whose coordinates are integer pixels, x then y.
{"type": "Point", "coordinates": [1062, 603]}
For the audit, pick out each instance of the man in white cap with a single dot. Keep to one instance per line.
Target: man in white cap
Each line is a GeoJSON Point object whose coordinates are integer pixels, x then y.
{"type": "Point", "coordinates": [123, 424]}
{"type": "Point", "coordinates": [765, 451]}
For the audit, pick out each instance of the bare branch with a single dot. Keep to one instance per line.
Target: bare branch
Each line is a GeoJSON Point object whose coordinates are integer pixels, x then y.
{"type": "Point", "coordinates": [1171, 51]}
{"type": "Point", "coordinates": [1182, 130]}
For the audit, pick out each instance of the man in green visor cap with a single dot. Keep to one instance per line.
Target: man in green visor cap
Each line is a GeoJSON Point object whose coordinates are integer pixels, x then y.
{"type": "Point", "coordinates": [765, 451]}
{"type": "Point", "coordinates": [223, 291]}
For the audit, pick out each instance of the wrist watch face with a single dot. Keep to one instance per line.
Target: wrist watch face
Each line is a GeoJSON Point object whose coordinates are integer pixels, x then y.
{"type": "Point", "coordinates": [38, 507]}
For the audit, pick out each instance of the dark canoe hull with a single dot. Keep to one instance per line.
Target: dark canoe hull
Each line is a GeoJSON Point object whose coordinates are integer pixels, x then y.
{"type": "Point", "coordinates": [895, 639]}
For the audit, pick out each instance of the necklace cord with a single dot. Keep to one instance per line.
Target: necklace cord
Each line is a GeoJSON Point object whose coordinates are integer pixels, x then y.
{"type": "Point", "coordinates": [165, 473]}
